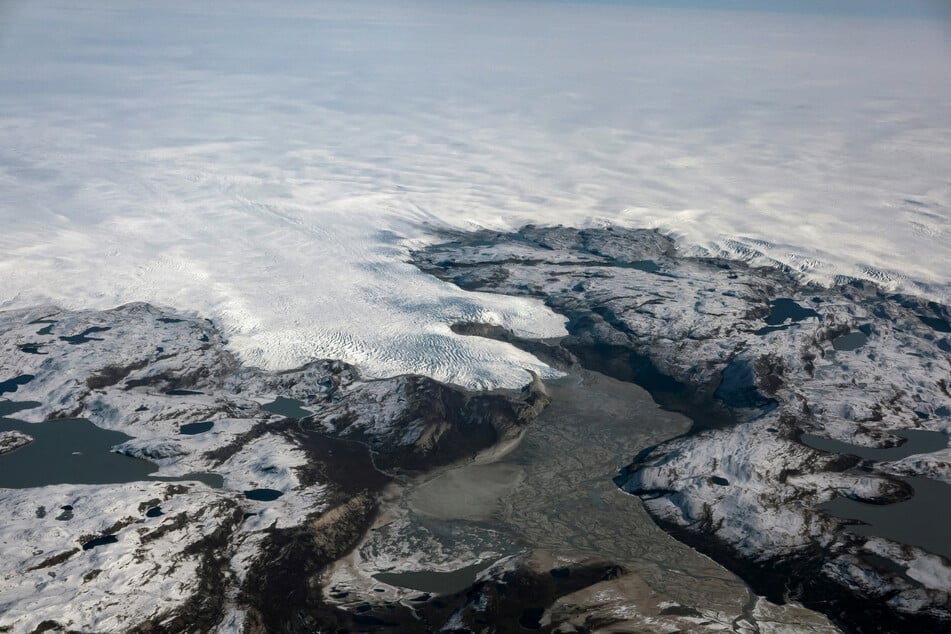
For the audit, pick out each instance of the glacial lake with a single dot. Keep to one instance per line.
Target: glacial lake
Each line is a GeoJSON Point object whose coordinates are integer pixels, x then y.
{"type": "Point", "coordinates": [74, 451]}
{"type": "Point", "coordinates": [916, 441]}
{"type": "Point", "coordinates": [784, 312]}
{"type": "Point", "coordinates": [921, 520]}
{"type": "Point", "coordinates": [287, 407]}
{"type": "Point", "coordinates": [435, 582]}
{"type": "Point", "coordinates": [554, 493]}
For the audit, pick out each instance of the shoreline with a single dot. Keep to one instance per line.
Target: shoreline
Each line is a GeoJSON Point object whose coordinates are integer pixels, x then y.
{"type": "Point", "coordinates": [776, 359]}
{"type": "Point", "coordinates": [570, 518]}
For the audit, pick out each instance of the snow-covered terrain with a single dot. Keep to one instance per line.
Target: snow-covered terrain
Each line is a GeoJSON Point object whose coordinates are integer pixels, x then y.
{"type": "Point", "coordinates": [182, 556]}
{"type": "Point", "coordinates": [268, 164]}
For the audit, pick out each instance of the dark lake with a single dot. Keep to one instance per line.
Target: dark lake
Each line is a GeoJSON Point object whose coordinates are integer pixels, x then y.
{"type": "Point", "coordinates": [12, 407]}
{"type": "Point", "coordinates": [74, 451]}
{"type": "Point", "coordinates": [920, 521]}
{"type": "Point", "coordinates": [849, 342]}
{"type": "Point", "coordinates": [784, 310]}
{"type": "Point", "coordinates": [289, 407]}
{"type": "Point", "coordinates": [263, 495]}
{"type": "Point", "coordinates": [190, 429]}
{"type": "Point", "coordinates": [435, 582]}
{"type": "Point", "coordinates": [916, 441]}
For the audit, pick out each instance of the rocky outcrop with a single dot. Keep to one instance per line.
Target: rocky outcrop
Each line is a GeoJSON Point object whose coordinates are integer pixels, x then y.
{"type": "Point", "coordinates": [12, 440]}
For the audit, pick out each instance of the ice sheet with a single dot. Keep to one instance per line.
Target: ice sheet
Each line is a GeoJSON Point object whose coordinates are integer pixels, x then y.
{"type": "Point", "coordinates": [269, 165]}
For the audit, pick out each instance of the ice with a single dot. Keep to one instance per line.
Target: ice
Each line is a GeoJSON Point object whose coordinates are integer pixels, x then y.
{"type": "Point", "coordinates": [270, 165]}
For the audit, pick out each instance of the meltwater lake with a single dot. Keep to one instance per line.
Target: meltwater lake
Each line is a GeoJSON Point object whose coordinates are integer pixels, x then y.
{"type": "Point", "coordinates": [74, 451]}
{"type": "Point", "coordinates": [921, 520]}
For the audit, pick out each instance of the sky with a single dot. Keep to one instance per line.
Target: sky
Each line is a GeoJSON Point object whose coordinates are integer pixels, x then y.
{"type": "Point", "coordinates": [928, 9]}
{"type": "Point", "coordinates": [269, 165]}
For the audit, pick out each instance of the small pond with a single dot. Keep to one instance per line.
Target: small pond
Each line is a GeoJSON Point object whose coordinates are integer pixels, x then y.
{"type": "Point", "coordinates": [648, 266]}
{"type": "Point", "coordinates": [288, 407]}
{"type": "Point", "coordinates": [263, 495]}
{"type": "Point", "coordinates": [82, 337]}
{"type": "Point", "coordinates": [190, 429]}
{"type": "Point", "coordinates": [849, 342]}
{"type": "Point", "coordinates": [11, 385]}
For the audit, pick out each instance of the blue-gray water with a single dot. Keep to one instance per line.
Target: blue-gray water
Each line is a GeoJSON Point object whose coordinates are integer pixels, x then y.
{"type": "Point", "coordinates": [74, 451]}
{"type": "Point", "coordinates": [289, 407]}
{"type": "Point", "coordinates": [922, 520]}
{"type": "Point", "coordinates": [916, 441]}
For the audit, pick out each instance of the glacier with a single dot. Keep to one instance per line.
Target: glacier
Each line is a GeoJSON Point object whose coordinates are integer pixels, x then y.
{"type": "Point", "coordinates": [271, 166]}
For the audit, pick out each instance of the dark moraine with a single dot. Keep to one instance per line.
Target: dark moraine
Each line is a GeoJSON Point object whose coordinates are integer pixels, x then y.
{"type": "Point", "coordinates": [83, 337]}
{"type": "Point", "coordinates": [435, 582]}
{"type": "Point", "coordinates": [263, 495]}
{"type": "Point", "coordinates": [74, 451]}
{"type": "Point", "coordinates": [190, 429]}
{"type": "Point", "coordinates": [11, 385]}
{"type": "Point", "coordinates": [530, 618]}
{"type": "Point", "coordinates": [921, 521]}
{"type": "Point", "coordinates": [916, 441]}
{"type": "Point", "coordinates": [287, 407]}
{"type": "Point", "coordinates": [211, 480]}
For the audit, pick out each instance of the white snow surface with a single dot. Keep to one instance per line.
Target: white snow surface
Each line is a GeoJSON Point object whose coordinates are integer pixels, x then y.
{"type": "Point", "coordinates": [142, 575]}
{"type": "Point", "coordinates": [271, 164]}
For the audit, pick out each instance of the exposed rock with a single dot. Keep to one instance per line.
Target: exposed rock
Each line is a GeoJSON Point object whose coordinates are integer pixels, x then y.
{"type": "Point", "coordinates": [12, 440]}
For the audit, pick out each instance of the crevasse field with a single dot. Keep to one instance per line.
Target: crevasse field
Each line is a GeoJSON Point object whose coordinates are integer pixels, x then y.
{"type": "Point", "coordinates": [269, 165]}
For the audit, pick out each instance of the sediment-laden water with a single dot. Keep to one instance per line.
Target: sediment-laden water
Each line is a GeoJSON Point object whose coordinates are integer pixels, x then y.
{"type": "Point", "coordinates": [553, 494]}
